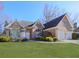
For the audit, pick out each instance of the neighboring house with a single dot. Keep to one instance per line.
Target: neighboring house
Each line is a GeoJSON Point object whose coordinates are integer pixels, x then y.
{"type": "Point", "coordinates": [18, 29]}
{"type": "Point", "coordinates": [76, 30]}
{"type": "Point", "coordinates": [61, 27]}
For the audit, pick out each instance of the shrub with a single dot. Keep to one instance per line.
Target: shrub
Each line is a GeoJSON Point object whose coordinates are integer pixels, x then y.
{"type": "Point", "coordinates": [5, 38]}
{"type": "Point", "coordinates": [49, 38]}
{"type": "Point", "coordinates": [75, 35]}
{"type": "Point", "coordinates": [40, 39]}
{"type": "Point", "coordinates": [25, 39]}
{"type": "Point", "coordinates": [54, 39]}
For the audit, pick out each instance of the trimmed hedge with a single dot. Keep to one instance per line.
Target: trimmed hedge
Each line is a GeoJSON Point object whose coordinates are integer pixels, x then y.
{"type": "Point", "coordinates": [21, 40]}
{"type": "Point", "coordinates": [25, 39]}
{"type": "Point", "coordinates": [5, 39]}
{"type": "Point", "coordinates": [49, 39]}
{"type": "Point", "coordinates": [40, 39]}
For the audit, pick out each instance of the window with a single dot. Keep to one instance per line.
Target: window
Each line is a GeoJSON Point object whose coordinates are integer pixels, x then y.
{"type": "Point", "coordinates": [22, 30]}
{"type": "Point", "coordinates": [38, 30]}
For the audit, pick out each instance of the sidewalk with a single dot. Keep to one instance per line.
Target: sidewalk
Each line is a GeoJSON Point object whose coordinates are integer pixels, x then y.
{"type": "Point", "coordinates": [62, 41]}
{"type": "Point", "coordinates": [53, 42]}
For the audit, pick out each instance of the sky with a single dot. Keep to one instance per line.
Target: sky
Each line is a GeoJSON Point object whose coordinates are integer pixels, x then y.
{"type": "Point", "coordinates": [33, 10]}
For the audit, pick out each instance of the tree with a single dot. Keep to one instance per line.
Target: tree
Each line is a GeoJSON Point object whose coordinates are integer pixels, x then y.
{"type": "Point", "coordinates": [4, 19]}
{"type": "Point", "coordinates": [6, 23]}
{"type": "Point", "coordinates": [76, 17]}
{"type": "Point", "coordinates": [51, 13]}
{"type": "Point", "coordinates": [75, 20]}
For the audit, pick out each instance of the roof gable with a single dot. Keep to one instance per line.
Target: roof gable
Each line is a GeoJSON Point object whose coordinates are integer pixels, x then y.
{"type": "Point", "coordinates": [38, 24]}
{"type": "Point", "coordinates": [53, 22]}
{"type": "Point", "coordinates": [67, 23]}
{"type": "Point", "coordinates": [16, 24]}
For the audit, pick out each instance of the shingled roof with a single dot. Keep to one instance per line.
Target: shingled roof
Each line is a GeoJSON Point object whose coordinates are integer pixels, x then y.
{"type": "Point", "coordinates": [24, 23]}
{"type": "Point", "coordinates": [53, 22]}
{"type": "Point", "coordinates": [31, 24]}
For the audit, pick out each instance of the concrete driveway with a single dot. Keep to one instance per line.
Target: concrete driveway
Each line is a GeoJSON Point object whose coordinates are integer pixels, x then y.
{"type": "Point", "coordinates": [71, 41]}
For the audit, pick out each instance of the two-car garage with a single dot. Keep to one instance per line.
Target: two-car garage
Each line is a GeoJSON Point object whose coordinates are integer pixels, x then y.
{"type": "Point", "coordinates": [64, 35]}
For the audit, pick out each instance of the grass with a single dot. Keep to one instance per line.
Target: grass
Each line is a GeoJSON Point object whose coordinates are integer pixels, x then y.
{"type": "Point", "coordinates": [39, 50]}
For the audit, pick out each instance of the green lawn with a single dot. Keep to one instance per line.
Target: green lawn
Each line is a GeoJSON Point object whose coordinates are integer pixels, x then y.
{"type": "Point", "coordinates": [33, 49]}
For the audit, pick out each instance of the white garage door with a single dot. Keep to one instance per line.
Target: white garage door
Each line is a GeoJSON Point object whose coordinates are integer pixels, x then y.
{"type": "Point", "coordinates": [69, 35]}
{"type": "Point", "coordinates": [25, 35]}
{"type": "Point", "coordinates": [64, 36]}
{"type": "Point", "coordinates": [61, 35]}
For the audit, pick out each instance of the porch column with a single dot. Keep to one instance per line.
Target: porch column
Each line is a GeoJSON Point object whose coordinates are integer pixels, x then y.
{"type": "Point", "coordinates": [30, 33]}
